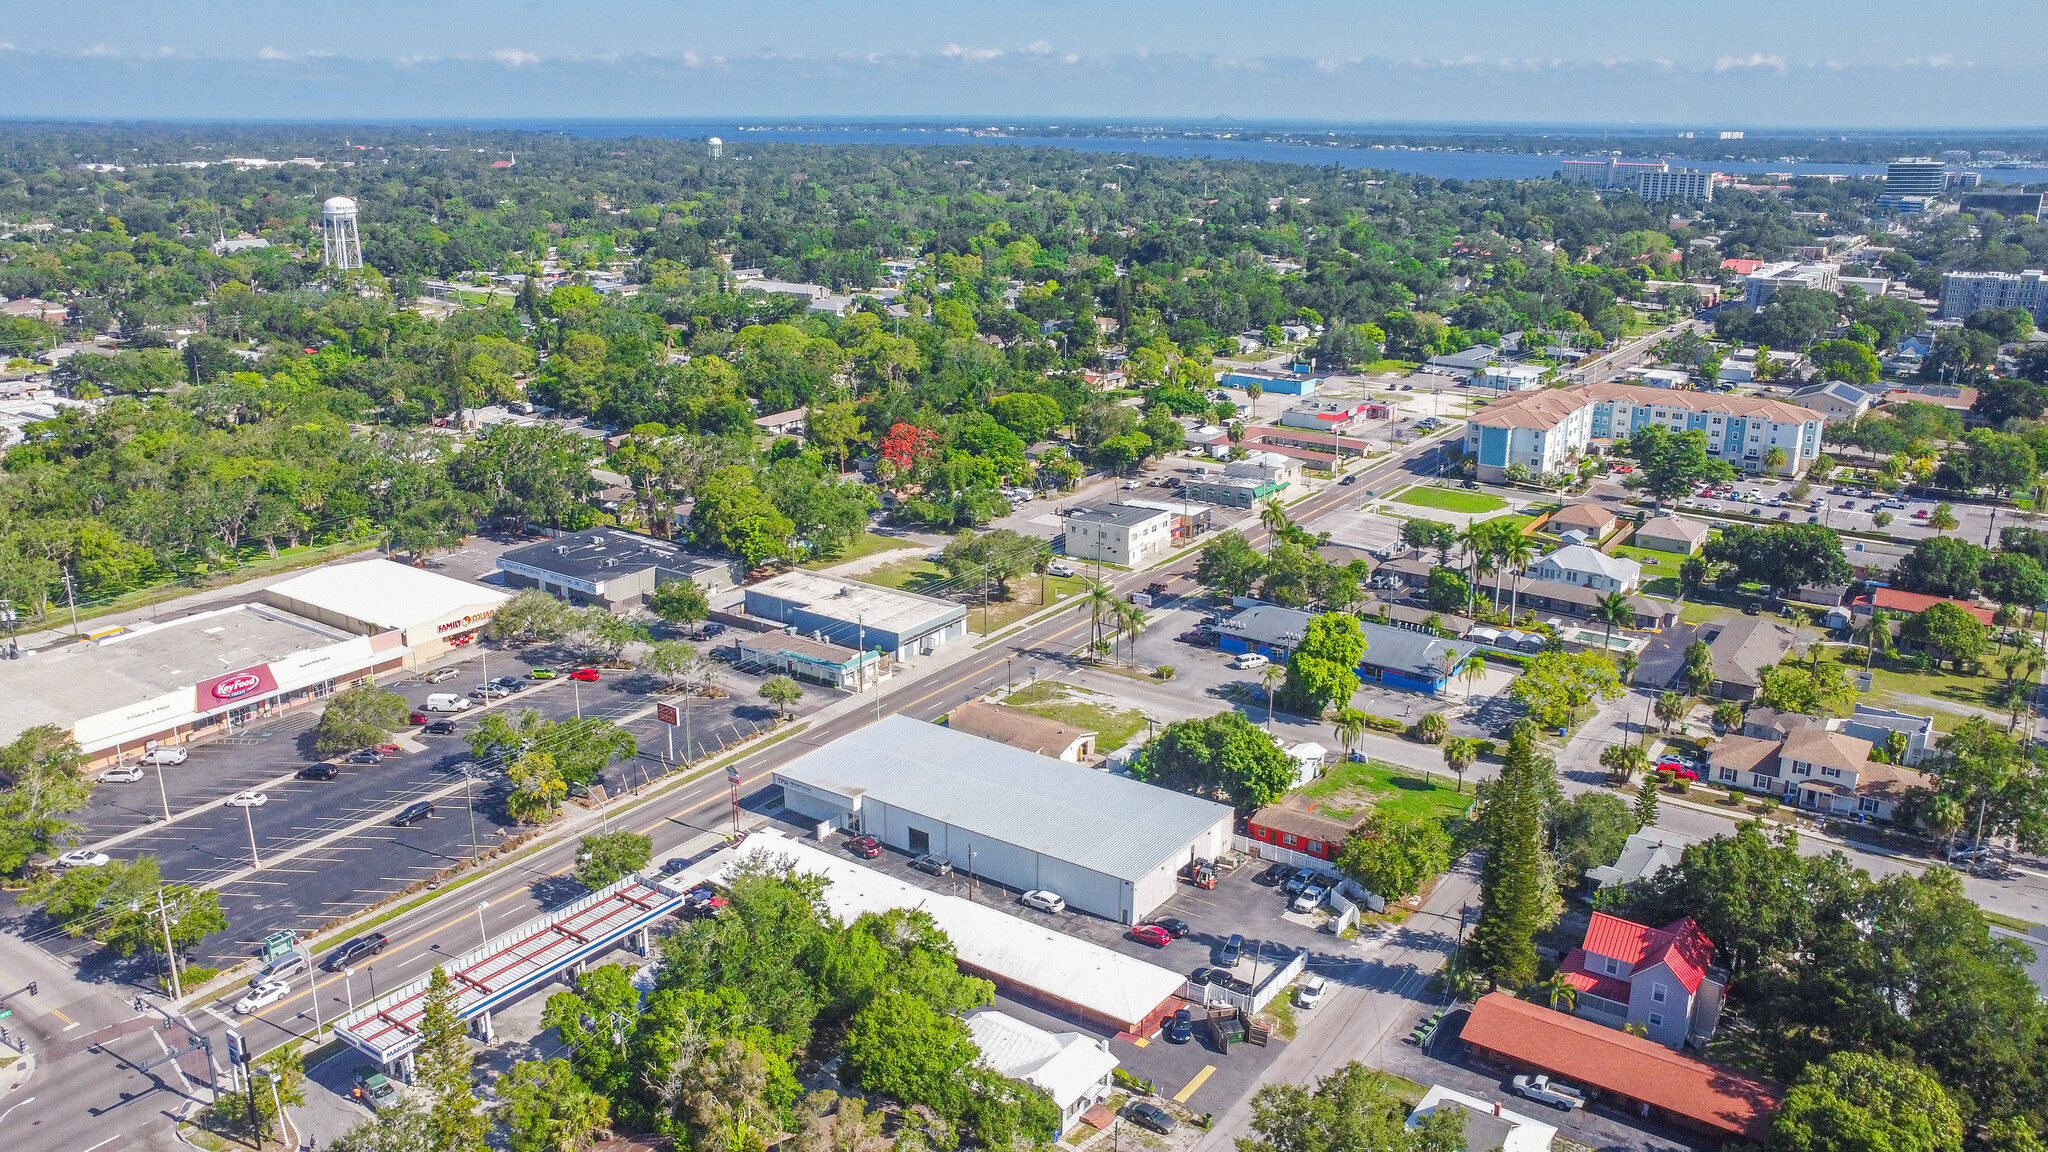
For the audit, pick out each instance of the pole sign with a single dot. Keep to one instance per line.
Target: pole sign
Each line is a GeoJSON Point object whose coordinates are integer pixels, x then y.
{"type": "Point", "coordinates": [666, 713]}
{"type": "Point", "coordinates": [732, 774]}
{"type": "Point", "coordinates": [238, 1052]}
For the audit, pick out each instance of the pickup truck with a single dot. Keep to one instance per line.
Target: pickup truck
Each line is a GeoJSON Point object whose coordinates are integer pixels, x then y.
{"type": "Point", "coordinates": [1544, 1090]}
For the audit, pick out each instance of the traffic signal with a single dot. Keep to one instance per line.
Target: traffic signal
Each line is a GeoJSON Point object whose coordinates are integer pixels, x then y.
{"type": "Point", "coordinates": [32, 988]}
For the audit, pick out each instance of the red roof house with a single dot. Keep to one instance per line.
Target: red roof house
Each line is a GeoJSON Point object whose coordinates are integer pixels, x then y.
{"type": "Point", "coordinates": [1741, 266]}
{"type": "Point", "coordinates": [1662, 979]}
{"type": "Point", "coordinates": [1626, 1071]}
{"type": "Point", "coordinates": [1897, 600]}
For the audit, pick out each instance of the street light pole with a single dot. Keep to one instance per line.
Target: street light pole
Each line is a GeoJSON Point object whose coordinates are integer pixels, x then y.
{"type": "Point", "coordinates": [348, 987]}
{"type": "Point", "coordinates": [250, 820]}
{"type": "Point", "coordinates": [481, 931]}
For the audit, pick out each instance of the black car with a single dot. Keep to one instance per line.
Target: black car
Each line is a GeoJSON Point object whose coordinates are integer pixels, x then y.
{"type": "Point", "coordinates": [1175, 927]}
{"type": "Point", "coordinates": [319, 772]}
{"type": "Point", "coordinates": [722, 655]}
{"type": "Point", "coordinates": [355, 950]}
{"type": "Point", "coordinates": [413, 813]}
{"type": "Point", "coordinates": [1151, 1116]}
{"type": "Point", "coordinates": [1233, 948]}
{"type": "Point", "coordinates": [1350, 479]}
{"type": "Point", "coordinates": [1181, 1028]}
{"type": "Point", "coordinates": [712, 629]}
{"type": "Point", "coordinates": [510, 683]}
{"type": "Point", "coordinates": [366, 756]}
{"type": "Point", "coordinates": [1201, 976]}
{"type": "Point", "coordinates": [1302, 878]}
{"type": "Point", "coordinates": [671, 867]}
{"type": "Point", "coordinates": [1272, 876]}
{"type": "Point", "coordinates": [440, 728]}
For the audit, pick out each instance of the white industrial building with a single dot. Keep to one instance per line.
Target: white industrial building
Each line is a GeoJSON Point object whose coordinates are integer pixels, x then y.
{"type": "Point", "coordinates": [1123, 534]}
{"type": "Point", "coordinates": [1032, 962]}
{"type": "Point", "coordinates": [1110, 845]}
{"type": "Point", "coordinates": [435, 612]}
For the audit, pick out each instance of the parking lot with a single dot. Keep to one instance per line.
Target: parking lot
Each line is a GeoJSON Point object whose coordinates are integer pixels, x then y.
{"type": "Point", "coordinates": [1847, 507]}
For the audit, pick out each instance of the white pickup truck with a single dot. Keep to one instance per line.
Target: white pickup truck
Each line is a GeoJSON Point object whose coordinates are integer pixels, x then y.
{"type": "Point", "coordinates": [1543, 1090]}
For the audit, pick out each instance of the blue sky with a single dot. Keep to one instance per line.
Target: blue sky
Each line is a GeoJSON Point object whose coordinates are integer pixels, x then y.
{"type": "Point", "coordinates": [1736, 63]}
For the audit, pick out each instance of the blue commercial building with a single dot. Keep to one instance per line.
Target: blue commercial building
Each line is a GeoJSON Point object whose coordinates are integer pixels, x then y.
{"type": "Point", "coordinates": [1398, 657]}
{"type": "Point", "coordinates": [1272, 384]}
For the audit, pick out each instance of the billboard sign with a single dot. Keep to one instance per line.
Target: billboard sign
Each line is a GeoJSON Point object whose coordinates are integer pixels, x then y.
{"type": "Point", "coordinates": [245, 684]}
{"type": "Point", "coordinates": [666, 713]}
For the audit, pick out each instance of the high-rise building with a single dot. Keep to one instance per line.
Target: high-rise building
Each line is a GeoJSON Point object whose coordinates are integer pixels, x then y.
{"type": "Point", "coordinates": [1969, 179]}
{"type": "Point", "coordinates": [1683, 184]}
{"type": "Point", "coordinates": [2007, 204]}
{"type": "Point", "coordinates": [1964, 294]}
{"type": "Point", "coordinates": [1612, 172]}
{"type": "Point", "coordinates": [340, 245]}
{"type": "Point", "coordinates": [1915, 176]}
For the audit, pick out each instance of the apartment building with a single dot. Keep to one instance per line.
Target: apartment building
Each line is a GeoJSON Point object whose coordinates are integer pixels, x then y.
{"type": "Point", "coordinates": [1758, 285]}
{"type": "Point", "coordinates": [1546, 431]}
{"type": "Point", "coordinates": [1964, 294]}
{"type": "Point", "coordinates": [1122, 534]}
{"type": "Point", "coordinates": [1611, 172]}
{"type": "Point", "coordinates": [1683, 184]}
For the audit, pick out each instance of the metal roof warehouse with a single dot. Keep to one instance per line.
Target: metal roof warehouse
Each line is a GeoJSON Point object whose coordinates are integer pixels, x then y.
{"type": "Point", "coordinates": [1109, 844]}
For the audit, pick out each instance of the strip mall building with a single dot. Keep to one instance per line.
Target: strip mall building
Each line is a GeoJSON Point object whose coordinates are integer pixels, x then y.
{"type": "Point", "coordinates": [209, 672]}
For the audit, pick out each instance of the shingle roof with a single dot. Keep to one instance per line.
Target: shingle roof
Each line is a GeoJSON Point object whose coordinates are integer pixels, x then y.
{"type": "Point", "coordinates": [1744, 754]}
{"type": "Point", "coordinates": [1015, 727]}
{"type": "Point", "coordinates": [1584, 558]}
{"type": "Point", "coordinates": [1614, 1061]}
{"type": "Point", "coordinates": [1590, 516]}
{"type": "Point", "coordinates": [1889, 781]}
{"type": "Point", "coordinates": [1743, 646]}
{"type": "Point", "coordinates": [1673, 527]}
{"type": "Point", "coordinates": [1109, 824]}
{"type": "Point", "coordinates": [1825, 749]}
{"type": "Point", "coordinates": [1293, 815]}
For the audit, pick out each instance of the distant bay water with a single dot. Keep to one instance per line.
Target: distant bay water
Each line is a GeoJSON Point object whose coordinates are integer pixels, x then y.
{"type": "Point", "coordinates": [1441, 163]}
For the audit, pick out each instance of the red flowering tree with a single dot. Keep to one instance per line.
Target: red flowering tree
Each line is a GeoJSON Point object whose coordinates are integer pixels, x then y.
{"type": "Point", "coordinates": [904, 448]}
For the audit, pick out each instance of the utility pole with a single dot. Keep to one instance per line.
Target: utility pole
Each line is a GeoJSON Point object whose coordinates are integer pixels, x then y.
{"type": "Point", "coordinates": [71, 598]}
{"type": "Point", "coordinates": [984, 599]}
{"type": "Point", "coordinates": [170, 951]}
{"type": "Point", "coordinates": [250, 820]}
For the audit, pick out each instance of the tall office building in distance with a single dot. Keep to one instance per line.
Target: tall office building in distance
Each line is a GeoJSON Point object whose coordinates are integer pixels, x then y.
{"type": "Point", "coordinates": [340, 246]}
{"type": "Point", "coordinates": [1915, 177]}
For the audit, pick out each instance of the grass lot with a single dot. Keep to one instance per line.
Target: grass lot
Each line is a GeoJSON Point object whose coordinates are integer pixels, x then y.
{"type": "Point", "coordinates": [868, 544]}
{"type": "Point", "coordinates": [1451, 500]}
{"type": "Point", "coordinates": [1655, 563]}
{"type": "Point", "coordinates": [1068, 704]}
{"type": "Point", "coordinates": [1353, 787]}
{"type": "Point", "coordinates": [916, 574]}
{"type": "Point", "coordinates": [1895, 683]}
{"type": "Point", "coordinates": [1389, 366]}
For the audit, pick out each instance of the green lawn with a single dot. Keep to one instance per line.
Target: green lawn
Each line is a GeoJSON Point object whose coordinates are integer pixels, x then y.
{"type": "Point", "coordinates": [867, 544]}
{"type": "Point", "coordinates": [1452, 500]}
{"type": "Point", "coordinates": [1065, 703]}
{"type": "Point", "coordinates": [1389, 366]}
{"type": "Point", "coordinates": [1654, 563]}
{"type": "Point", "coordinates": [1892, 681]}
{"type": "Point", "coordinates": [916, 574]}
{"type": "Point", "coordinates": [1354, 787]}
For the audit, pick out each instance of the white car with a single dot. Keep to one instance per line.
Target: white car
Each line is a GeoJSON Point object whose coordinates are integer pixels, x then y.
{"type": "Point", "coordinates": [1309, 898]}
{"type": "Point", "coordinates": [122, 774]}
{"type": "Point", "coordinates": [1249, 660]}
{"type": "Point", "coordinates": [165, 756]}
{"type": "Point", "coordinates": [1043, 901]}
{"type": "Point", "coordinates": [262, 996]}
{"type": "Point", "coordinates": [1059, 568]}
{"type": "Point", "coordinates": [248, 800]}
{"type": "Point", "coordinates": [1309, 992]}
{"type": "Point", "coordinates": [84, 858]}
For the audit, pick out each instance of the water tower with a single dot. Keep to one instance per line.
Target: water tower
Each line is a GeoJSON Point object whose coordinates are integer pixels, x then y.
{"type": "Point", "coordinates": [340, 246]}
{"type": "Point", "coordinates": [717, 147]}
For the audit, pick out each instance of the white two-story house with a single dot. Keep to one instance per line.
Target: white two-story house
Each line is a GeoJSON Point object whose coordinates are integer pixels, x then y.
{"type": "Point", "coordinates": [1815, 767]}
{"type": "Point", "coordinates": [1662, 980]}
{"type": "Point", "coordinates": [1589, 567]}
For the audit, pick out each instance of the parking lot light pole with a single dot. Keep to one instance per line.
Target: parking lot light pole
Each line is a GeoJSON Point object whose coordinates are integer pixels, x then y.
{"type": "Point", "coordinates": [481, 931]}
{"type": "Point", "coordinates": [161, 793]}
{"type": "Point", "coordinates": [348, 986]}
{"type": "Point", "coordinates": [250, 820]}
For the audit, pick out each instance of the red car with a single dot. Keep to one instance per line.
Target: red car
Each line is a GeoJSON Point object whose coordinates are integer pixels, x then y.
{"type": "Point", "coordinates": [389, 749]}
{"type": "Point", "coordinates": [865, 847]}
{"type": "Point", "coordinates": [418, 717]}
{"type": "Point", "coordinates": [1152, 934]}
{"type": "Point", "coordinates": [1677, 770]}
{"type": "Point", "coordinates": [586, 674]}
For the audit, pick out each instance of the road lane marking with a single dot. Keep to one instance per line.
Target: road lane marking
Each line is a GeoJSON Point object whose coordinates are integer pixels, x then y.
{"type": "Point", "coordinates": [1202, 1077]}
{"type": "Point", "coordinates": [62, 1016]}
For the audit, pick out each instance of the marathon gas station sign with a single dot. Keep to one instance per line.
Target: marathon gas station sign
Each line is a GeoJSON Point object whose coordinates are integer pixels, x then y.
{"type": "Point", "coordinates": [226, 691]}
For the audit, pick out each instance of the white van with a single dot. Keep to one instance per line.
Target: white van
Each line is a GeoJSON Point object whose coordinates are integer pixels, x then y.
{"type": "Point", "coordinates": [447, 702]}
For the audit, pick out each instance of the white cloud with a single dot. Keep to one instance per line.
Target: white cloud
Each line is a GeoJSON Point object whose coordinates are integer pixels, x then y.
{"type": "Point", "coordinates": [101, 50]}
{"type": "Point", "coordinates": [514, 57]}
{"type": "Point", "coordinates": [691, 59]}
{"type": "Point", "coordinates": [1038, 47]}
{"type": "Point", "coordinates": [970, 53]}
{"type": "Point", "coordinates": [273, 54]}
{"type": "Point", "coordinates": [1941, 60]}
{"type": "Point", "coordinates": [1072, 58]}
{"type": "Point", "coordinates": [318, 53]}
{"type": "Point", "coordinates": [1753, 60]}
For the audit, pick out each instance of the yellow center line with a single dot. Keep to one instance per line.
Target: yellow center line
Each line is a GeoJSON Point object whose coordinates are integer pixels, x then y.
{"type": "Point", "coordinates": [61, 1016]}
{"type": "Point", "coordinates": [1202, 1077]}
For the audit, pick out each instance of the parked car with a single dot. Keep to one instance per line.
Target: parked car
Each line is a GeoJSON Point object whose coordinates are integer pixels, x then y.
{"type": "Point", "coordinates": [248, 800]}
{"type": "Point", "coordinates": [354, 950]}
{"type": "Point", "coordinates": [319, 772]}
{"type": "Point", "coordinates": [366, 756]}
{"type": "Point", "coordinates": [712, 629]}
{"type": "Point", "coordinates": [587, 675]}
{"type": "Point", "coordinates": [936, 865]}
{"type": "Point", "coordinates": [1181, 1028]}
{"type": "Point", "coordinates": [84, 858]}
{"type": "Point", "coordinates": [1249, 660]}
{"type": "Point", "coordinates": [413, 813]}
{"type": "Point", "coordinates": [1044, 901]}
{"type": "Point", "coordinates": [541, 674]}
{"type": "Point", "coordinates": [1151, 1116]}
{"type": "Point", "coordinates": [1309, 992]}
{"type": "Point", "coordinates": [1059, 568]}
{"type": "Point", "coordinates": [417, 717]}
{"type": "Point", "coordinates": [488, 691]}
{"type": "Point", "coordinates": [439, 728]}
{"type": "Point", "coordinates": [387, 749]}
{"type": "Point", "coordinates": [1273, 875]}
{"type": "Point", "coordinates": [372, 1088]}
{"type": "Point", "coordinates": [865, 847]}
{"type": "Point", "coordinates": [1310, 898]}
{"type": "Point", "coordinates": [167, 757]}
{"type": "Point", "coordinates": [121, 774]}
{"type": "Point", "coordinates": [1302, 878]}
{"type": "Point", "coordinates": [510, 683]}
{"type": "Point", "coordinates": [1196, 637]}
{"type": "Point", "coordinates": [673, 865]}
{"type": "Point", "coordinates": [1232, 950]}
{"type": "Point", "coordinates": [1922, 514]}
{"type": "Point", "coordinates": [1152, 934]}
{"type": "Point", "coordinates": [1174, 926]}
{"type": "Point", "coordinates": [1544, 1090]}
{"type": "Point", "coordinates": [262, 996]}
{"type": "Point", "coordinates": [440, 675]}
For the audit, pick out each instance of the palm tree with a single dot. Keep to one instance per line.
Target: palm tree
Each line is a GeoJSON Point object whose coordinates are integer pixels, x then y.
{"type": "Point", "coordinates": [1474, 670]}
{"type": "Point", "coordinates": [1097, 597]}
{"type": "Point", "coordinates": [1350, 725]}
{"type": "Point", "coordinates": [1876, 635]}
{"type": "Point", "coordinates": [1518, 552]}
{"type": "Point", "coordinates": [1625, 663]}
{"type": "Point", "coordinates": [1131, 618]}
{"type": "Point", "coordinates": [1613, 609]}
{"type": "Point", "coordinates": [1942, 519]}
{"type": "Point", "coordinates": [1271, 676]}
{"type": "Point", "coordinates": [1559, 989]}
{"type": "Point", "coordinates": [1775, 458]}
{"type": "Point", "coordinates": [1274, 517]}
{"type": "Point", "coordinates": [1459, 753]}
{"type": "Point", "coordinates": [1623, 761]}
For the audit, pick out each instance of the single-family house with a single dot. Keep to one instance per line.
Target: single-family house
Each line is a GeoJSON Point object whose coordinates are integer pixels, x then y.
{"type": "Point", "coordinates": [1645, 853]}
{"type": "Point", "coordinates": [1817, 767]}
{"type": "Point", "coordinates": [790, 423]}
{"type": "Point", "coordinates": [1021, 729]}
{"type": "Point", "coordinates": [1662, 980]}
{"type": "Point", "coordinates": [1741, 649]}
{"type": "Point", "coordinates": [1835, 400]}
{"type": "Point", "coordinates": [1594, 520]}
{"type": "Point", "coordinates": [1394, 656]}
{"type": "Point", "coordinates": [1672, 534]}
{"type": "Point", "coordinates": [1488, 1127]}
{"type": "Point", "coordinates": [1877, 725]}
{"type": "Point", "coordinates": [1293, 831]}
{"type": "Point", "coordinates": [1576, 600]}
{"type": "Point", "coordinates": [1074, 1070]}
{"type": "Point", "coordinates": [1589, 568]}
{"type": "Point", "coordinates": [1898, 602]}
